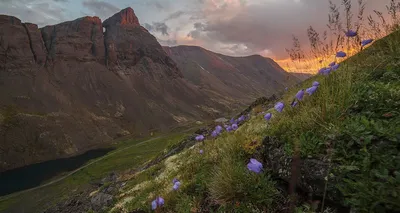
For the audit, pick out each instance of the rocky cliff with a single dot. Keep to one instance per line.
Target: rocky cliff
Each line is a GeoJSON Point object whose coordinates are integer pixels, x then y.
{"type": "Point", "coordinates": [78, 85]}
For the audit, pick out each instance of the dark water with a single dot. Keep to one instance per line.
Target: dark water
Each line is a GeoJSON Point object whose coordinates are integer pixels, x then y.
{"type": "Point", "coordinates": [36, 174]}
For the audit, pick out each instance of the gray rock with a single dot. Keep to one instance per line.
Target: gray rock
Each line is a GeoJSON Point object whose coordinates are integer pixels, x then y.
{"type": "Point", "coordinates": [221, 120]}
{"type": "Point", "coordinates": [312, 175]}
{"type": "Point", "coordinates": [101, 200]}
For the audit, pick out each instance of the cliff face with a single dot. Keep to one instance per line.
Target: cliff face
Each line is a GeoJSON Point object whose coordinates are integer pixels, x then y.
{"type": "Point", "coordinates": [77, 85]}
{"type": "Point", "coordinates": [68, 88]}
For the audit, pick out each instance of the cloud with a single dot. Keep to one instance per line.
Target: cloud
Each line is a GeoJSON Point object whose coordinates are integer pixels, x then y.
{"type": "Point", "coordinates": [159, 4]}
{"type": "Point", "coordinates": [242, 27]}
{"type": "Point", "coordinates": [42, 13]}
{"type": "Point", "coordinates": [157, 27]}
{"type": "Point", "coordinates": [100, 8]}
{"type": "Point", "coordinates": [174, 15]}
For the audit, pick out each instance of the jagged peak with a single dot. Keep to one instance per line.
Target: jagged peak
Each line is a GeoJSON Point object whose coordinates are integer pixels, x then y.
{"type": "Point", "coordinates": [125, 17]}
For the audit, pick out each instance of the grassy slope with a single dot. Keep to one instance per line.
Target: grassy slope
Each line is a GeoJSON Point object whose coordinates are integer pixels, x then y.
{"type": "Point", "coordinates": [353, 119]}
{"type": "Point", "coordinates": [133, 156]}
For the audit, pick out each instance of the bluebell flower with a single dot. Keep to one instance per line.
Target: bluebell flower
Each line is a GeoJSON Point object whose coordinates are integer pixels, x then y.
{"type": "Point", "coordinates": [241, 118]}
{"type": "Point", "coordinates": [229, 128]}
{"type": "Point", "coordinates": [322, 70]}
{"type": "Point", "coordinates": [279, 106]}
{"type": "Point", "coordinates": [158, 202]}
{"type": "Point", "coordinates": [332, 64]}
{"type": "Point", "coordinates": [268, 116]}
{"type": "Point", "coordinates": [286, 88]}
{"type": "Point", "coordinates": [294, 103]}
{"type": "Point", "coordinates": [176, 185]}
{"type": "Point", "coordinates": [214, 133]}
{"type": "Point", "coordinates": [254, 166]}
{"type": "Point", "coordinates": [335, 67]}
{"type": "Point", "coordinates": [366, 42]}
{"type": "Point", "coordinates": [315, 83]}
{"type": "Point", "coordinates": [300, 95]}
{"type": "Point", "coordinates": [327, 71]}
{"type": "Point", "coordinates": [201, 151]}
{"type": "Point", "coordinates": [235, 126]}
{"type": "Point", "coordinates": [199, 138]}
{"type": "Point", "coordinates": [232, 120]}
{"type": "Point", "coordinates": [218, 128]}
{"type": "Point", "coordinates": [351, 33]}
{"type": "Point", "coordinates": [311, 90]}
{"type": "Point", "coordinates": [341, 54]}
{"type": "Point", "coordinates": [175, 180]}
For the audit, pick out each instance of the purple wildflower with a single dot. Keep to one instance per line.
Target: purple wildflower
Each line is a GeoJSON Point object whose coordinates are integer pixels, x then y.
{"type": "Point", "coordinates": [315, 83]}
{"type": "Point", "coordinates": [322, 70]}
{"type": "Point", "coordinates": [199, 138]}
{"type": "Point", "coordinates": [229, 128]}
{"type": "Point", "coordinates": [176, 185]}
{"type": "Point", "coordinates": [351, 33]}
{"type": "Point", "coordinates": [294, 103]}
{"type": "Point", "coordinates": [300, 95]}
{"type": "Point", "coordinates": [336, 67]}
{"type": "Point", "coordinates": [279, 106]}
{"type": "Point", "coordinates": [232, 120]}
{"type": "Point", "coordinates": [175, 180]}
{"type": "Point", "coordinates": [201, 151]}
{"type": "Point", "coordinates": [254, 166]}
{"type": "Point", "coordinates": [332, 64]}
{"type": "Point", "coordinates": [286, 88]}
{"type": "Point", "coordinates": [218, 128]}
{"type": "Point", "coordinates": [268, 116]}
{"type": "Point", "coordinates": [311, 90]}
{"type": "Point", "coordinates": [366, 42]}
{"type": "Point", "coordinates": [341, 54]}
{"type": "Point", "coordinates": [241, 118]}
{"type": "Point", "coordinates": [327, 71]}
{"type": "Point", "coordinates": [214, 133]}
{"type": "Point", "coordinates": [235, 126]}
{"type": "Point", "coordinates": [159, 201]}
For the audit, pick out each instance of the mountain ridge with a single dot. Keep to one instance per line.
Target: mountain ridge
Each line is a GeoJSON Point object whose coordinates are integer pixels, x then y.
{"type": "Point", "coordinates": [245, 78]}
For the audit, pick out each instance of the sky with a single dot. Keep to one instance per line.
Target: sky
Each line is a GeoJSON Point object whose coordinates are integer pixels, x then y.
{"type": "Point", "coordinates": [231, 27]}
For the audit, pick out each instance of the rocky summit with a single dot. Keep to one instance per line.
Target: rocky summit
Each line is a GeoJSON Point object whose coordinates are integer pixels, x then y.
{"type": "Point", "coordinates": [78, 85]}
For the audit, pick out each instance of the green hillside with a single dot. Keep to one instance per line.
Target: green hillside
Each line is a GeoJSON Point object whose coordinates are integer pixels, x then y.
{"type": "Point", "coordinates": [347, 135]}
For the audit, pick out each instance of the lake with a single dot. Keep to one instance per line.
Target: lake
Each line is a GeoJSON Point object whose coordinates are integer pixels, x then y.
{"type": "Point", "coordinates": [37, 174]}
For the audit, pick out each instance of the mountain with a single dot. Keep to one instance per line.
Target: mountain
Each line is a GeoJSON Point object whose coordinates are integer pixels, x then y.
{"type": "Point", "coordinates": [302, 76]}
{"type": "Point", "coordinates": [243, 78]}
{"type": "Point", "coordinates": [77, 85]}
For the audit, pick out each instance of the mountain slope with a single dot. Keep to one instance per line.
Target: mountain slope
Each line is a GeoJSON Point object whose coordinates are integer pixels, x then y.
{"type": "Point", "coordinates": [337, 151]}
{"type": "Point", "coordinates": [244, 78]}
{"type": "Point", "coordinates": [67, 88]}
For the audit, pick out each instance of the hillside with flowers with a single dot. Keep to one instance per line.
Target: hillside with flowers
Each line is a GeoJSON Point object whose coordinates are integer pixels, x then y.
{"type": "Point", "coordinates": [330, 144]}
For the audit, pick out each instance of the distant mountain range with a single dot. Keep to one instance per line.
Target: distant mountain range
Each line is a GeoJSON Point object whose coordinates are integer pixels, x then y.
{"type": "Point", "coordinates": [78, 85]}
{"type": "Point", "coordinates": [241, 78]}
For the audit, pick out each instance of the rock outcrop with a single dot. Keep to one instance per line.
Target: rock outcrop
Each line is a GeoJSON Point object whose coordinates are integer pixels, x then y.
{"type": "Point", "coordinates": [128, 45]}
{"type": "Point", "coordinates": [81, 39]}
